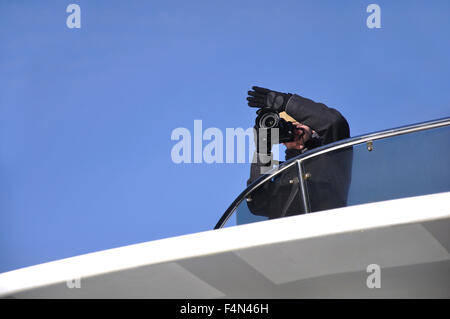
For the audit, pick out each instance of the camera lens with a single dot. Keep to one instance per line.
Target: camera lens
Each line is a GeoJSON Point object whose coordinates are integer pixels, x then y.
{"type": "Point", "coordinates": [268, 120]}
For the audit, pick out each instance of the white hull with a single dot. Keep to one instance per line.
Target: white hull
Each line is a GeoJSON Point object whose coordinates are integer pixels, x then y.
{"type": "Point", "coordinates": [320, 255]}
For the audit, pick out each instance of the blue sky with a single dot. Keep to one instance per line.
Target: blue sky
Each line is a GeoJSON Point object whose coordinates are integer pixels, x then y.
{"type": "Point", "coordinates": [86, 114]}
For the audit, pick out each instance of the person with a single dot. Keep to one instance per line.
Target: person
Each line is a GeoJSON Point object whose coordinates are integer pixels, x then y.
{"type": "Point", "coordinates": [330, 174]}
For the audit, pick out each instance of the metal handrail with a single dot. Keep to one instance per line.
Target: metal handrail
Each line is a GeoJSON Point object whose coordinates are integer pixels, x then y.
{"type": "Point", "coordinates": [325, 149]}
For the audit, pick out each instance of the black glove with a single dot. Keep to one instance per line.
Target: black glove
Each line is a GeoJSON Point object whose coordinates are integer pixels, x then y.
{"type": "Point", "coordinates": [262, 98]}
{"type": "Point", "coordinates": [263, 140]}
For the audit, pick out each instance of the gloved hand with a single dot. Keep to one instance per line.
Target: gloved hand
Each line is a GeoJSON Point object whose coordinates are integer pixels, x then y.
{"type": "Point", "coordinates": [261, 97]}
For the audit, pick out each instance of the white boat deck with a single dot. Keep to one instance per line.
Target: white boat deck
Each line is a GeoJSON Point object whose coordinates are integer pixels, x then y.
{"type": "Point", "coordinates": [320, 255]}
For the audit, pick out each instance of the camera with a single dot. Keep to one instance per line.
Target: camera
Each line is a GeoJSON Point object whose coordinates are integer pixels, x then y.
{"type": "Point", "coordinates": [269, 119]}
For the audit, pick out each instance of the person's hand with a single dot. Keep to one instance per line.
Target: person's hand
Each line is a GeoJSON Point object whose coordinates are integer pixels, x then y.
{"type": "Point", "coordinates": [302, 134]}
{"type": "Point", "coordinates": [265, 98]}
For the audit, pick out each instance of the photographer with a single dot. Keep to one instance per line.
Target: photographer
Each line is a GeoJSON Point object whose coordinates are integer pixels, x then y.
{"type": "Point", "coordinates": [315, 125]}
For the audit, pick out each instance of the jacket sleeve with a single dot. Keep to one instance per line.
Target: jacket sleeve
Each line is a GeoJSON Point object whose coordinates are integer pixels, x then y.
{"type": "Point", "coordinates": [329, 124]}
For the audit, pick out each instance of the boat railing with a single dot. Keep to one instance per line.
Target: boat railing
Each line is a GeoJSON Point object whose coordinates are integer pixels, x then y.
{"type": "Point", "coordinates": [402, 162]}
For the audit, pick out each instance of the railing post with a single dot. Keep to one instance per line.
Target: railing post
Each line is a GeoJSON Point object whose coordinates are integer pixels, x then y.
{"type": "Point", "coordinates": [302, 183]}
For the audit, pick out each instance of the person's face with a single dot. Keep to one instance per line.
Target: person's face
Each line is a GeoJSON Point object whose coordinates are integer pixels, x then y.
{"type": "Point", "coordinates": [302, 134]}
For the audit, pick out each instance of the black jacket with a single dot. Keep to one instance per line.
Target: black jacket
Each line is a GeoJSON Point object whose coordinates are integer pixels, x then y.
{"type": "Point", "coordinates": [330, 174]}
